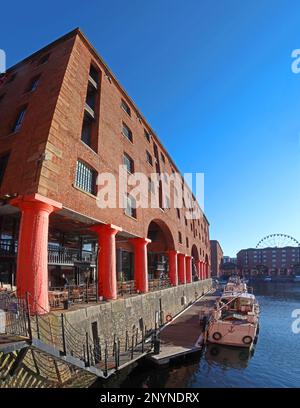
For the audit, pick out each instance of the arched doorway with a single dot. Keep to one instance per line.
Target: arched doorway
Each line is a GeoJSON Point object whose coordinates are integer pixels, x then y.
{"type": "Point", "coordinates": [158, 262]}
{"type": "Point", "coordinates": [195, 263]}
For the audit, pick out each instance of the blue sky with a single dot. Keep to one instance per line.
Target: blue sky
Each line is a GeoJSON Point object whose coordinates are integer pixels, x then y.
{"type": "Point", "coordinates": [214, 80]}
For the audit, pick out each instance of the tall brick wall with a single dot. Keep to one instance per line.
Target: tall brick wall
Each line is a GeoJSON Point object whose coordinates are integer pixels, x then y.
{"type": "Point", "coordinates": [26, 146]}
{"type": "Point", "coordinates": [65, 147]}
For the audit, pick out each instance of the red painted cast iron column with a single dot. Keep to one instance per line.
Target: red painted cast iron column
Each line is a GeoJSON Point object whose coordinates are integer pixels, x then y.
{"type": "Point", "coordinates": [181, 268]}
{"type": "Point", "coordinates": [188, 269]}
{"type": "Point", "coordinates": [32, 259]}
{"type": "Point", "coordinates": [173, 267]}
{"type": "Point", "coordinates": [141, 263]}
{"type": "Point", "coordinates": [107, 274]}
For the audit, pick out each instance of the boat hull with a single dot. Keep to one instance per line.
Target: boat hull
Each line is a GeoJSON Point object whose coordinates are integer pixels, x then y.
{"type": "Point", "coordinates": [229, 334]}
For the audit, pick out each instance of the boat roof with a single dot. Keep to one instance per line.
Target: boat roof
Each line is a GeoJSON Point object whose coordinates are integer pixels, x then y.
{"type": "Point", "coordinates": [238, 294]}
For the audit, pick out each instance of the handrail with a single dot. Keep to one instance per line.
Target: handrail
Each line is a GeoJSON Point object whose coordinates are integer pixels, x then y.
{"type": "Point", "coordinates": [58, 332]}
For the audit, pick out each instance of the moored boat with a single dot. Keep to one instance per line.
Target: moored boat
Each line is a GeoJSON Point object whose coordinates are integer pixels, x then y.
{"type": "Point", "coordinates": [234, 322]}
{"type": "Point", "coordinates": [235, 284]}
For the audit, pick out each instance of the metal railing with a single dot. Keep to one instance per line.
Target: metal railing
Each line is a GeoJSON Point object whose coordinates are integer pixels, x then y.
{"type": "Point", "coordinates": [56, 335]}
{"type": "Point", "coordinates": [8, 247]}
{"type": "Point", "coordinates": [57, 255]}
{"type": "Point", "coordinates": [158, 284]}
{"type": "Point", "coordinates": [16, 322]}
{"type": "Point", "coordinates": [69, 256]}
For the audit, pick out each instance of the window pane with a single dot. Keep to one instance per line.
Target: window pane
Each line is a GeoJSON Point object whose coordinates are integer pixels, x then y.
{"type": "Point", "coordinates": [85, 177]}
{"type": "Point", "coordinates": [125, 107]}
{"type": "Point", "coordinates": [127, 132]}
{"type": "Point", "coordinates": [19, 120]}
{"type": "Point", "coordinates": [128, 162]}
{"type": "Point", "coordinates": [86, 134]}
{"type": "Point", "coordinates": [130, 206]}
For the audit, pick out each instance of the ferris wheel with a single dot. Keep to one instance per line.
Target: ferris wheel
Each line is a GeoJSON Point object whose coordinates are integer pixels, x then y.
{"type": "Point", "coordinates": [277, 241]}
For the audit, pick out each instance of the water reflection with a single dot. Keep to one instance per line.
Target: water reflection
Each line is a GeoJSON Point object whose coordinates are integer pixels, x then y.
{"type": "Point", "coordinates": [228, 357]}
{"type": "Point", "coordinates": [277, 290]}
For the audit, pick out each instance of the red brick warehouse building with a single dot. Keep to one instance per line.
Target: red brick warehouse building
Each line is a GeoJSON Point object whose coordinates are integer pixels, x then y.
{"type": "Point", "coordinates": [64, 119]}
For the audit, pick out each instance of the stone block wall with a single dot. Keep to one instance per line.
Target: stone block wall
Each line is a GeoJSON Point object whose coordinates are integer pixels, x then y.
{"type": "Point", "coordinates": [121, 315]}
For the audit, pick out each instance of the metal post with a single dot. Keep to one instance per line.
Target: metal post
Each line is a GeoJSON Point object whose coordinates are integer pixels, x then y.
{"type": "Point", "coordinates": [63, 334]}
{"type": "Point", "coordinates": [37, 326]}
{"type": "Point", "coordinates": [143, 338]}
{"type": "Point", "coordinates": [126, 341]}
{"type": "Point", "coordinates": [88, 362]}
{"type": "Point", "coordinates": [114, 345]}
{"type": "Point", "coordinates": [132, 346]}
{"type": "Point", "coordinates": [105, 361]}
{"type": "Point", "coordinates": [116, 355]}
{"type": "Point", "coordinates": [115, 349]}
{"type": "Point", "coordinates": [119, 347]}
{"type": "Point", "coordinates": [28, 316]}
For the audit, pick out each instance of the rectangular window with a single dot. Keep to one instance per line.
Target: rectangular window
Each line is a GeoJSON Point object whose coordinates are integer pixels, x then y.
{"type": "Point", "coordinates": [163, 157]}
{"type": "Point", "coordinates": [147, 135]}
{"type": "Point", "coordinates": [149, 158]}
{"type": "Point", "coordinates": [125, 107]}
{"type": "Point", "coordinates": [3, 165]}
{"type": "Point", "coordinates": [185, 220]}
{"type": "Point", "coordinates": [179, 237]}
{"type": "Point", "coordinates": [33, 84]}
{"type": "Point", "coordinates": [86, 133]}
{"type": "Point", "coordinates": [187, 242]}
{"type": "Point", "coordinates": [94, 75]}
{"type": "Point", "coordinates": [85, 177]}
{"type": "Point", "coordinates": [130, 206]}
{"type": "Point", "coordinates": [178, 213]}
{"type": "Point", "coordinates": [127, 132]}
{"type": "Point", "coordinates": [91, 96]}
{"type": "Point", "coordinates": [19, 120]}
{"type": "Point", "coordinates": [129, 163]}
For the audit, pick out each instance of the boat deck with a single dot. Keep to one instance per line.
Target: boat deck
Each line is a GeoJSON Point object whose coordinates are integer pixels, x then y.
{"type": "Point", "coordinates": [183, 335]}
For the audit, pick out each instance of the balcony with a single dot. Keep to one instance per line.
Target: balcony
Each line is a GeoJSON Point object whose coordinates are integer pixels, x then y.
{"type": "Point", "coordinates": [57, 255]}
{"type": "Point", "coordinates": [69, 256]}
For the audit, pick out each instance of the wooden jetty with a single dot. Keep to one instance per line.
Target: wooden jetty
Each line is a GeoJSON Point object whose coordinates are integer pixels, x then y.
{"type": "Point", "coordinates": [183, 335]}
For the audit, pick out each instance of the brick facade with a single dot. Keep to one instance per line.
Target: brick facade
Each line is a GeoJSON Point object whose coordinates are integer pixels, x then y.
{"type": "Point", "coordinates": [216, 258]}
{"type": "Point", "coordinates": [44, 151]}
